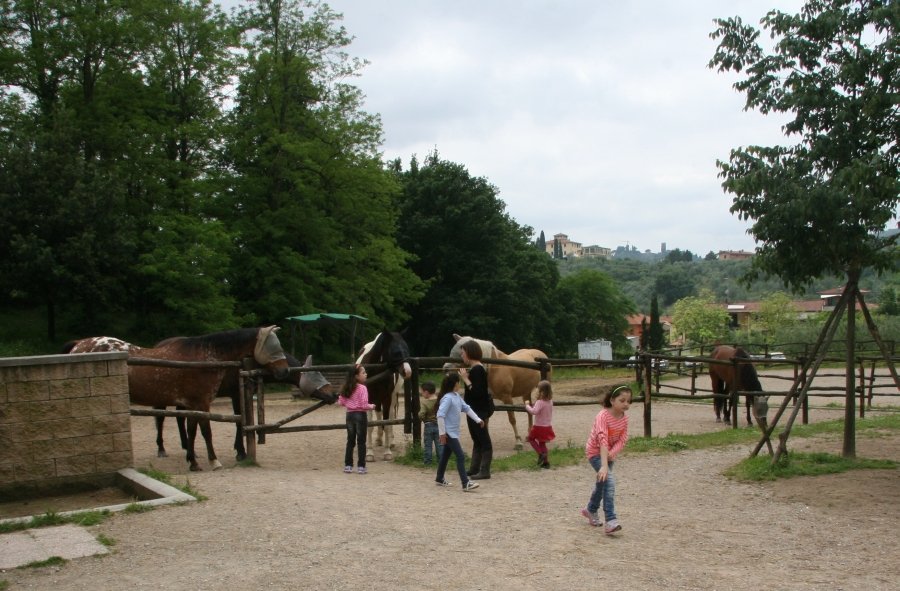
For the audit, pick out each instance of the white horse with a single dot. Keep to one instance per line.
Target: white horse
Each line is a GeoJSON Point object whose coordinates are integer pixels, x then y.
{"type": "Point", "coordinates": [505, 382]}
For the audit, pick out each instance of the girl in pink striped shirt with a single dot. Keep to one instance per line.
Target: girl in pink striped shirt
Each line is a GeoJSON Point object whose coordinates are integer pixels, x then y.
{"type": "Point", "coordinates": [608, 436]}
{"type": "Point", "coordinates": [355, 398]}
{"type": "Point", "coordinates": [542, 430]}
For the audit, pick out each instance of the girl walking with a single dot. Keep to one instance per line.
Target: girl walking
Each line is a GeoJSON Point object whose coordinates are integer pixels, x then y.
{"type": "Point", "coordinates": [450, 406]}
{"type": "Point", "coordinates": [542, 430]}
{"type": "Point", "coordinates": [355, 398]}
{"type": "Point", "coordinates": [608, 436]}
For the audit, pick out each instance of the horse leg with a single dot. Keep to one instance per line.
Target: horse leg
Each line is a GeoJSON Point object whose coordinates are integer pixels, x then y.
{"type": "Point", "coordinates": [182, 429]}
{"type": "Point", "coordinates": [370, 455]}
{"type": "Point", "coordinates": [189, 448]}
{"type": "Point", "coordinates": [749, 404]}
{"type": "Point", "coordinates": [388, 434]}
{"type": "Point", "coordinates": [512, 422]}
{"type": "Point", "coordinates": [160, 447]}
{"type": "Point", "coordinates": [206, 429]}
{"type": "Point", "coordinates": [239, 449]}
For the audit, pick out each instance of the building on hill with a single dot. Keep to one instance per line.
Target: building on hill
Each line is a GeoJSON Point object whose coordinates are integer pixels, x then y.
{"type": "Point", "coordinates": [734, 255]}
{"type": "Point", "coordinates": [742, 312]}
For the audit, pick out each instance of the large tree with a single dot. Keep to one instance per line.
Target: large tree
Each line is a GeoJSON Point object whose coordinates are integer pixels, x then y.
{"type": "Point", "coordinates": [312, 207]}
{"type": "Point", "coordinates": [820, 205]}
{"type": "Point", "coordinates": [595, 307]}
{"type": "Point", "coordinates": [484, 276]}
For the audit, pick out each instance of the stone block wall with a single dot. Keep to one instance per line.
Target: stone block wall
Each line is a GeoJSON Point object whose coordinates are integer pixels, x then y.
{"type": "Point", "coordinates": [64, 422]}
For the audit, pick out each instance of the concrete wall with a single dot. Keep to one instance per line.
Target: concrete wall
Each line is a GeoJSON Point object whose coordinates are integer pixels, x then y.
{"type": "Point", "coordinates": [64, 422]}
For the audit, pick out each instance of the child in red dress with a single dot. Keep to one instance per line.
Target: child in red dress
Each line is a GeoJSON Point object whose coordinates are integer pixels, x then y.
{"type": "Point", "coordinates": [542, 430]}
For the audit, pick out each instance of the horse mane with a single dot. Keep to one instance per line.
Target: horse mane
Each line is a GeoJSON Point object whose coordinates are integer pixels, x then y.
{"type": "Point", "coordinates": [749, 378]}
{"type": "Point", "coordinates": [225, 339]}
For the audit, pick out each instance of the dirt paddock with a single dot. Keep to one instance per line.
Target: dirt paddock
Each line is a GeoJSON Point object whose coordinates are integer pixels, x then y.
{"type": "Point", "coordinates": [298, 522]}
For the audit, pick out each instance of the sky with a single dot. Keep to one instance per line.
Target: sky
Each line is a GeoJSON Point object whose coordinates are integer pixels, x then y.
{"type": "Point", "coordinates": [598, 119]}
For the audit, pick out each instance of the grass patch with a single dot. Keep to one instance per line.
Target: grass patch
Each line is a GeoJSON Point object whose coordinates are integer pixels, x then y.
{"type": "Point", "coordinates": [138, 508]}
{"type": "Point", "coordinates": [802, 464]}
{"type": "Point", "coordinates": [4, 585]}
{"type": "Point", "coordinates": [167, 479]}
{"type": "Point", "coordinates": [247, 462]}
{"type": "Point", "coordinates": [52, 561]}
{"type": "Point", "coordinates": [106, 540]}
{"type": "Point", "coordinates": [51, 518]}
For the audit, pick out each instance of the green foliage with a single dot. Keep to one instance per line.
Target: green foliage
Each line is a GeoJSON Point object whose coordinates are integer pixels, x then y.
{"type": "Point", "coordinates": [818, 206]}
{"type": "Point", "coordinates": [106, 540]}
{"type": "Point", "coordinates": [595, 308]}
{"type": "Point", "coordinates": [699, 319]}
{"type": "Point", "coordinates": [484, 277]}
{"type": "Point", "coordinates": [51, 518]}
{"type": "Point", "coordinates": [802, 464]}
{"type": "Point", "coordinates": [655, 336]}
{"type": "Point", "coordinates": [52, 561]}
{"type": "Point", "coordinates": [775, 314]}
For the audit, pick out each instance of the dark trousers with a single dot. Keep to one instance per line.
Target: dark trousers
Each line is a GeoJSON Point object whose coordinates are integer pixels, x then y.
{"type": "Point", "coordinates": [357, 422]}
{"type": "Point", "coordinates": [481, 436]}
{"type": "Point", "coordinates": [452, 447]}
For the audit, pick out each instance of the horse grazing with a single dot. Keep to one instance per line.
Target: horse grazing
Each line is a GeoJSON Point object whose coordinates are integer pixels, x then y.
{"type": "Point", "coordinates": [195, 388]}
{"type": "Point", "coordinates": [505, 382]}
{"type": "Point", "coordinates": [388, 348]}
{"type": "Point", "coordinates": [741, 377]}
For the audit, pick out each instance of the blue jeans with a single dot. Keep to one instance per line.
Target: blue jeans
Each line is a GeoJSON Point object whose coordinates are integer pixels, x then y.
{"type": "Point", "coordinates": [452, 447]}
{"type": "Point", "coordinates": [604, 492]}
{"type": "Point", "coordinates": [357, 422]}
{"type": "Point", "coordinates": [432, 441]}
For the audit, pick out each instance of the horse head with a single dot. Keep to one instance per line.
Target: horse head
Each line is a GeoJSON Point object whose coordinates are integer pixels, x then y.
{"type": "Point", "coordinates": [391, 349]}
{"type": "Point", "coordinates": [313, 383]}
{"type": "Point", "coordinates": [487, 350]}
{"type": "Point", "coordinates": [269, 353]}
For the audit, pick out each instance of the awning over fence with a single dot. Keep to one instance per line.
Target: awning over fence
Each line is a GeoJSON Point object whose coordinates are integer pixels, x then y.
{"type": "Point", "coordinates": [349, 323]}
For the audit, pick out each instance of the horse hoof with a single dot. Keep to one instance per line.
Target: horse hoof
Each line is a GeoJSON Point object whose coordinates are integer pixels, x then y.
{"type": "Point", "coordinates": [196, 469]}
{"type": "Point", "coordinates": [370, 458]}
{"type": "Point", "coordinates": [388, 456]}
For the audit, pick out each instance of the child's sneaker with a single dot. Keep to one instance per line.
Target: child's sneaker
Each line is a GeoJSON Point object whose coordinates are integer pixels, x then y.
{"type": "Point", "coordinates": [348, 469]}
{"type": "Point", "coordinates": [591, 517]}
{"type": "Point", "coordinates": [362, 470]}
{"type": "Point", "coordinates": [612, 527]}
{"type": "Point", "coordinates": [442, 483]}
{"type": "Point", "coordinates": [470, 486]}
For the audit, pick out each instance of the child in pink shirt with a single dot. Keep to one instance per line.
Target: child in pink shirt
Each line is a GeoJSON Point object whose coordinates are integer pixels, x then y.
{"type": "Point", "coordinates": [608, 436]}
{"type": "Point", "coordinates": [355, 398]}
{"type": "Point", "coordinates": [542, 430]}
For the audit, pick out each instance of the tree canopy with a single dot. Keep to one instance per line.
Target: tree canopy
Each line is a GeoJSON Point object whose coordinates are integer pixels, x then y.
{"type": "Point", "coordinates": [820, 205]}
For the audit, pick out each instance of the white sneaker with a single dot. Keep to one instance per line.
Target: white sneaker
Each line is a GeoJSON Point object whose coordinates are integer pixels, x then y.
{"type": "Point", "coordinates": [442, 483]}
{"type": "Point", "coordinates": [470, 486]}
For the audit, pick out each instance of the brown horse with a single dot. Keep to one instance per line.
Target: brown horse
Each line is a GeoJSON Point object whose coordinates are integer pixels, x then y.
{"type": "Point", "coordinates": [195, 388]}
{"type": "Point", "coordinates": [504, 381]}
{"type": "Point", "coordinates": [388, 348]}
{"type": "Point", "coordinates": [310, 383]}
{"type": "Point", "coordinates": [741, 377]}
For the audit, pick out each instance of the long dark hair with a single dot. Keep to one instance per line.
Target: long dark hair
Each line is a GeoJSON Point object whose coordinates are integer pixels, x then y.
{"type": "Point", "coordinates": [448, 384]}
{"type": "Point", "coordinates": [350, 381]}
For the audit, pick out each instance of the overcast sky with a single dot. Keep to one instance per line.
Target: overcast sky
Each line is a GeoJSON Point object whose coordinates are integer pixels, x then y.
{"type": "Point", "coordinates": [595, 118]}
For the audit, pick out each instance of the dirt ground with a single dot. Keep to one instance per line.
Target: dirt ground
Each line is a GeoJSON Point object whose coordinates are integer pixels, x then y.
{"type": "Point", "coordinates": [297, 521]}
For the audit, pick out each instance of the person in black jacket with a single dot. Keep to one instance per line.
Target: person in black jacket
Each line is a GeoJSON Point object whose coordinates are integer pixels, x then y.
{"type": "Point", "coordinates": [478, 397]}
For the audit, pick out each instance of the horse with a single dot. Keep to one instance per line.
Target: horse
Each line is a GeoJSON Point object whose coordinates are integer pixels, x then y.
{"type": "Point", "coordinates": [505, 382]}
{"type": "Point", "coordinates": [388, 348]}
{"type": "Point", "coordinates": [741, 377]}
{"type": "Point", "coordinates": [195, 388]}
{"type": "Point", "coordinates": [311, 383]}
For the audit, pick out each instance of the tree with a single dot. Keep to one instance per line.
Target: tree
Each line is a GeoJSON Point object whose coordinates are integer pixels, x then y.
{"type": "Point", "coordinates": [484, 277]}
{"type": "Point", "coordinates": [655, 336]}
{"type": "Point", "coordinates": [699, 319]}
{"type": "Point", "coordinates": [674, 281]}
{"type": "Point", "coordinates": [541, 243]}
{"type": "Point", "coordinates": [595, 307]}
{"type": "Point", "coordinates": [888, 302]}
{"type": "Point", "coordinates": [776, 313]}
{"type": "Point", "coordinates": [820, 206]}
{"type": "Point", "coordinates": [311, 206]}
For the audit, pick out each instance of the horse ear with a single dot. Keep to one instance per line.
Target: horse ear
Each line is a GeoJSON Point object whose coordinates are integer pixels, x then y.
{"type": "Point", "coordinates": [308, 362]}
{"type": "Point", "coordinates": [456, 337]}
